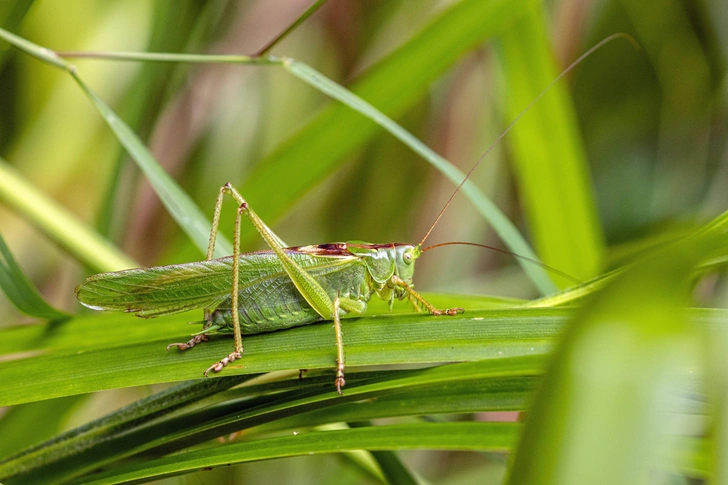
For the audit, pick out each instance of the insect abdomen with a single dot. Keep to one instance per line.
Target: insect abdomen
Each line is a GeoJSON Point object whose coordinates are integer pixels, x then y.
{"type": "Point", "coordinates": [278, 304]}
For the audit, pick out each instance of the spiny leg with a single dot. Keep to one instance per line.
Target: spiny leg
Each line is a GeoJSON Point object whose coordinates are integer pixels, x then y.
{"type": "Point", "coordinates": [351, 306]}
{"type": "Point", "coordinates": [416, 297]}
{"type": "Point", "coordinates": [340, 382]}
{"type": "Point", "coordinates": [190, 343]}
{"type": "Point", "coordinates": [210, 252]}
{"type": "Point", "coordinates": [238, 353]}
{"type": "Point", "coordinates": [314, 294]}
{"type": "Point", "coordinates": [213, 235]}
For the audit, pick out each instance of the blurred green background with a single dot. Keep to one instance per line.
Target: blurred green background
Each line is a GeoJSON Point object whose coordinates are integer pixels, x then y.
{"type": "Point", "coordinates": [650, 124]}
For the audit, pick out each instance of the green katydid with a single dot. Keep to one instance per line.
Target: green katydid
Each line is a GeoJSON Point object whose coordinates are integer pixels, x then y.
{"type": "Point", "coordinates": [281, 287]}
{"type": "Point", "coordinates": [265, 290]}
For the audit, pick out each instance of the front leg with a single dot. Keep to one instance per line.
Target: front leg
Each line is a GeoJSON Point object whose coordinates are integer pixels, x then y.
{"type": "Point", "coordinates": [418, 299]}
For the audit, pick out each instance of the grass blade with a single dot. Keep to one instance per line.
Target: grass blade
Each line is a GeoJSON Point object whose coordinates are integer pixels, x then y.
{"type": "Point", "coordinates": [199, 426]}
{"type": "Point", "coordinates": [119, 351]}
{"type": "Point", "coordinates": [61, 226]}
{"type": "Point", "coordinates": [619, 365]}
{"type": "Point", "coordinates": [444, 436]}
{"type": "Point", "coordinates": [548, 154]}
{"type": "Point", "coordinates": [20, 290]}
{"type": "Point", "coordinates": [178, 204]}
{"type": "Point", "coordinates": [393, 85]}
{"type": "Point", "coordinates": [505, 229]}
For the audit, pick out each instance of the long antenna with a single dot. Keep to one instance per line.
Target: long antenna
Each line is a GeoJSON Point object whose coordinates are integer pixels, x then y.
{"type": "Point", "coordinates": [571, 66]}
{"type": "Point", "coordinates": [505, 251]}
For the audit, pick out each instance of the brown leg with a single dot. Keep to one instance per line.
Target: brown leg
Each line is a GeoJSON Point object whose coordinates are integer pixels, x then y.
{"type": "Point", "coordinates": [340, 382]}
{"type": "Point", "coordinates": [238, 352]}
{"type": "Point", "coordinates": [191, 343]}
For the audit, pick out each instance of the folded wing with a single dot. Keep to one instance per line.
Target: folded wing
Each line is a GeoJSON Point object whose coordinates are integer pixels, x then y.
{"type": "Point", "coordinates": [165, 290]}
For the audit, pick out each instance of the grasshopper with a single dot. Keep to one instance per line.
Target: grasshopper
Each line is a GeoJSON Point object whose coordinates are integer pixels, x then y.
{"type": "Point", "coordinates": [263, 291]}
{"type": "Point", "coordinates": [282, 287]}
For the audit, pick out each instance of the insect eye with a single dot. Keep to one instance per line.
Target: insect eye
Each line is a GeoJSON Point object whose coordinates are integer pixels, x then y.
{"type": "Point", "coordinates": [407, 257]}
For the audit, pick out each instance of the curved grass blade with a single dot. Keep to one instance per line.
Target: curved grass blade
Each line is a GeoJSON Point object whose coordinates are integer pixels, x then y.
{"type": "Point", "coordinates": [195, 427]}
{"type": "Point", "coordinates": [689, 453]}
{"type": "Point", "coordinates": [133, 415]}
{"type": "Point", "coordinates": [20, 290]}
{"type": "Point", "coordinates": [180, 206]}
{"type": "Point", "coordinates": [618, 367]}
{"type": "Point", "coordinates": [505, 229]}
{"type": "Point", "coordinates": [444, 436]}
{"type": "Point", "coordinates": [716, 229]}
{"type": "Point", "coordinates": [548, 154]}
{"type": "Point", "coordinates": [103, 352]}
{"type": "Point", "coordinates": [502, 225]}
{"type": "Point", "coordinates": [58, 224]}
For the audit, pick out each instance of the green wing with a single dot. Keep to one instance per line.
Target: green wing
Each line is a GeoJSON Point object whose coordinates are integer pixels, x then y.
{"type": "Point", "coordinates": [164, 290]}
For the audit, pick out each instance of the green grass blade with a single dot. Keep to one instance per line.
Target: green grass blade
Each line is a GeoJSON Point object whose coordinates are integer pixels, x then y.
{"type": "Point", "coordinates": [393, 85]}
{"type": "Point", "coordinates": [107, 351]}
{"type": "Point", "coordinates": [60, 225]}
{"type": "Point", "coordinates": [552, 170]}
{"type": "Point", "coordinates": [301, 19]}
{"type": "Point", "coordinates": [180, 206]}
{"type": "Point", "coordinates": [178, 203]}
{"type": "Point", "coordinates": [41, 53]}
{"type": "Point", "coordinates": [393, 469]}
{"type": "Point", "coordinates": [97, 431]}
{"type": "Point", "coordinates": [444, 436]}
{"type": "Point", "coordinates": [505, 229]}
{"type": "Point", "coordinates": [119, 351]}
{"type": "Point", "coordinates": [716, 229]}
{"type": "Point", "coordinates": [20, 290]}
{"type": "Point", "coordinates": [619, 365]}
{"type": "Point", "coordinates": [200, 426]}
{"type": "Point", "coordinates": [45, 418]}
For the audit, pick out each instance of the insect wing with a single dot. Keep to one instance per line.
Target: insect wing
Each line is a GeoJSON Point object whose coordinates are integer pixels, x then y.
{"type": "Point", "coordinates": [165, 290]}
{"type": "Point", "coordinates": [160, 290]}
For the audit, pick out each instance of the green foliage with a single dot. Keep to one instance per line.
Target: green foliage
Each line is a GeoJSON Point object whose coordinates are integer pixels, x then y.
{"type": "Point", "coordinates": [620, 379]}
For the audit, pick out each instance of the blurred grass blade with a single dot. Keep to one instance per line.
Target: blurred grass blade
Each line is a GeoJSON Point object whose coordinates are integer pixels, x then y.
{"type": "Point", "coordinates": [45, 418]}
{"type": "Point", "coordinates": [97, 431]}
{"type": "Point", "coordinates": [551, 166]}
{"type": "Point", "coordinates": [394, 470]}
{"type": "Point", "coordinates": [20, 290]}
{"type": "Point", "coordinates": [600, 417]}
{"type": "Point", "coordinates": [178, 204]}
{"type": "Point", "coordinates": [496, 437]}
{"type": "Point", "coordinates": [119, 351]}
{"type": "Point", "coordinates": [232, 415]}
{"type": "Point", "coordinates": [505, 229]}
{"type": "Point", "coordinates": [12, 15]}
{"type": "Point", "coordinates": [301, 19]}
{"type": "Point", "coordinates": [58, 224]}
{"type": "Point", "coordinates": [393, 85]}
{"type": "Point", "coordinates": [716, 229]}
{"type": "Point", "coordinates": [45, 55]}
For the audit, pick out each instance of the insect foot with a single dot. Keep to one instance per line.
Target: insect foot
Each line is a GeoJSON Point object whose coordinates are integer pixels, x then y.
{"type": "Point", "coordinates": [218, 366]}
{"type": "Point", "coordinates": [449, 311]}
{"type": "Point", "coordinates": [340, 382]}
{"type": "Point", "coordinates": [191, 343]}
